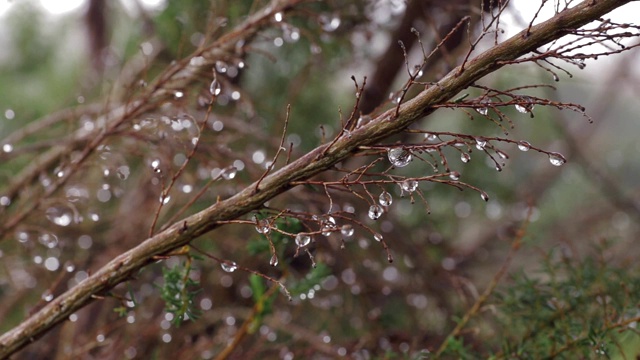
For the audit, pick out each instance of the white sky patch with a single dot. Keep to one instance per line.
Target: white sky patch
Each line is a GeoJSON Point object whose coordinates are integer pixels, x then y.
{"type": "Point", "coordinates": [58, 7]}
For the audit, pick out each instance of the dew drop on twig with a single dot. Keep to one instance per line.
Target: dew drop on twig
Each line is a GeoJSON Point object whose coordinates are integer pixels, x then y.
{"type": "Point", "coordinates": [524, 145]}
{"type": "Point", "coordinates": [385, 199]}
{"type": "Point", "coordinates": [303, 240]}
{"type": "Point", "coordinates": [464, 157]}
{"type": "Point", "coordinates": [347, 230]}
{"type": "Point", "coordinates": [557, 159]}
{"type": "Point", "coordinates": [409, 185]}
{"type": "Point", "coordinates": [229, 266]}
{"type": "Point", "coordinates": [399, 157]}
{"type": "Point", "coordinates": [274, 260]}
{"type": "Point", "coordinates": [375, 211]}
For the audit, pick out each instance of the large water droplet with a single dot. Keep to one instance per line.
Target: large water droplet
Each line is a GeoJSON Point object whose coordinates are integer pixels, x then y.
{"type": "Point", "coordinates": [347, 230]}
{"type": "Point", "coordinates": [274, 260]}
{"type": "Point", "coordinates": [409, 185]}
{"type": "Point", "coordinates": [454, 175]}
{"type": "Point", "coordinates": [303, 240]}
{"type": "Point", "coordinates": [524, 145]}
{"type": "Point", "coordinates": [557, 159]}
{"type": "Point", "coordinates": [481, 143]}
{"type": "Point", "coordinates": [464, 157]}
{"type": "Point", "coordinates": [262, 225]}
{"type": "Point", "coordinates": [378, 237]}
{"type": "Point", "coordinates": [399, 157]}
{"type": "Point", "coordinates": [229, 266]}
{"type": "Point", "coordinates": [375, 211]}
{"type": "Point", "coordinates": [385, 199]}
{"type": "Point", "coordinates": [7, 148]}
{"type": "Point", "coordinates": [278, 17]}
{"type": "Point", "coordinates": [215, 88]}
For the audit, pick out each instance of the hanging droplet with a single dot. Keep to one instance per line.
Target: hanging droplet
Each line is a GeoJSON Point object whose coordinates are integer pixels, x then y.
{"type": "Point", "coordinates": [262, 225]}
{"type": "Point", "coordinates": [524, 145]}
{"type": "Point", "coordinates": [229, 172]}
{"type": "Point", "coordinates": [502, 155]}
{"type": "Point", "coordinates": [61, 216]}
{"type": "Point", "coordinates": [274, 260]}
{"type": "Point", "coordinates": [164, 199]}
{"type": "Point", "coordinates": [375, 211]}
{"type": "Point", "coordinates": [399, 157]}
{"type": "Point", "coordinates": [303, 240]}
{"type": "Point", "coordinates": [229, 266]}
{"type": "Point", "coordinates": [484, 196]}
{"type": "Point", "coordinates": [557, 159]}
{"type": "Point", "coordinates": [409, 185]}
{"type": "Point", "coordinates": [278, 17]}
{"type": "Point", "coordinates": [481, 143]}
{"type": "Point", "coordinates": [328, 225]}
{"type": "Point", "coordinates": [526, 105]}
{"type": "Point", "coordinates": [464, 157]}
{"type": "Point", "coordinates": [378, 237]}
{"type": "Point", "coordinates": [454, 175]}
{"type": "Point", "coordinates": [385, 199]}
{"type": "Point", "coordinates": [521, 109]}
{"type": "Point", "coordinates": [347, 230]}
{"type": "Point", "coordinates": [215, 88]}
{"type": "Point", "coordinates": [483, 110]}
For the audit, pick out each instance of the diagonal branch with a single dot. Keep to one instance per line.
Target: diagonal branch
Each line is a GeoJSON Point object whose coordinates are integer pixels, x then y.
{"type": "Point", "coordinates": [318, 160]}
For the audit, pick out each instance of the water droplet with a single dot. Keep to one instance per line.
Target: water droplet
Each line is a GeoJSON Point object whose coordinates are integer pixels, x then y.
{"type": "Point", "coordinates": [164, 199]}
{"type": "Point", "coordinates": [385, 199]}
{"type": "Point", "coordinates": [7, 148]}
{"type": "Point", "coordinates": [502, 155]}
{"type": "Point", "coordinates": [61, 216]}
{"type": "Point", "coordinates": [123, 172]}
{"type": "Point", "coordinates": [328, 225]}
{"type": "Point", "coordinates": [274, 260]}
{"type": "Point", "coordinates": [215, 88]}
{"type": "Point", "coordinates": [378, 237]}
{"type": "Point", "coordinates": [278, 16]}
{"type": "Point", "coordinates": [430, 137]}
{"type": "Point", "coordinates": [178, 94]}
{"type": "Point", "coordinates": [5, 201]}
{"type": "Point", "coordinates": [229, 266]}
{"type": "Point", "coordinates": [196, 61]}
{"type": "Point", "coordinates": [483, 110]}
{"type": "Point", "coordinates": [481, 143]}
{"type": "Point", "coordinates": [375, 211]}
{"type": "Point", "coordinates": [48, 240]}
{"type": "Point", "coordinates": [399, 157]}
{"type": "Point", "coordinates": [229, 172]}
{"type": "Point", "coordinates": [484, 196]}
{"type": "Point", "coordinates": [262, 225]}
{"type": "Point", "coordinates": [454, 175]}
{"type": "Point", "coordinates": [47, 296]}
{"type": "Point", "coordinates": [465, 158]}
{"type": "Point", "coordinates": [303, 240]}
{"type": "Point", "coordinates": [524, 145]}
{"type": "Point", "coordinates": [526, 105]}
{"type": "Point", "coordinates": [409, 186]}
{"type": "Point", "coordinates": [328, 22]}
{"type": "Point", "coordinates": [557, 159]}
{"type": "Point", "coordinates": [347, 230]}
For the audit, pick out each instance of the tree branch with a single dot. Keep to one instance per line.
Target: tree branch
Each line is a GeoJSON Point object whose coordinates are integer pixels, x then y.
{"type": "Point", "coordinates": [320, 159]}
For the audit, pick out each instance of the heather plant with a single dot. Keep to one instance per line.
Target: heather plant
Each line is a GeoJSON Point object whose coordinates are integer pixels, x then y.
{"type": "Point", "coordinates": [260, 179]}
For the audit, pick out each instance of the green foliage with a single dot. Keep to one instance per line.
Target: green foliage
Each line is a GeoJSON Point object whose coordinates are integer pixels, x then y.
{"type": "Point", "coordinates": [311, 280]}
{"type": "Point", "coordinates": [178, 292]}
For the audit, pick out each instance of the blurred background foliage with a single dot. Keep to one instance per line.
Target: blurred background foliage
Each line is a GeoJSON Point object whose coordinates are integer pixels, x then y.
{"type": "Point", "coordinates": [575, 275]}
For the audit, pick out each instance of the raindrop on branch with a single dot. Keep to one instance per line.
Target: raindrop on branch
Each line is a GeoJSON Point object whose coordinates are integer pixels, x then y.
{"type": "Point", "coordinates": [378, 237]}
{"type": "Point", "coordinates": [464, 157]}
{"type": "Point", "coordinates": [262, 225]}
{"type": "Point", "coordinates": [229, 172]}
{"type": "Point", "coordinates": [229, 266]}
{"type": "Point", "coordinates": [328, 22]}
{"type": "Point", "coordinates": [274, 260]}
{"type": "Point", "coordinates": [480, 143]}
{"type": "Point", "coordinates": [524, 145]}
{"type": "Point", "coordinates": [385, 199]}
{"type": "Point", "coordinates": [430, 137]}
{"type": "Point", "coordinates": [484, 196]}
{"type": "Point", "coordinates": [454, 175]}
{"type": "Point", "coordinates": [557, 159]}
{"type": "Point", "coordinates": [375, 211]}
{"type": "Point", "coordinates": [347, 230]}
{"type": "Point", "coordinates": [328, 225]}
{"type": "Point", "coordinates": [303, 240]}
{"type": "Point", "coordinates": [215, 88]}
{"type": "Point", "coordinates": [409, 185]}
{"type": "Point", "coordinates": [399, 157]}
